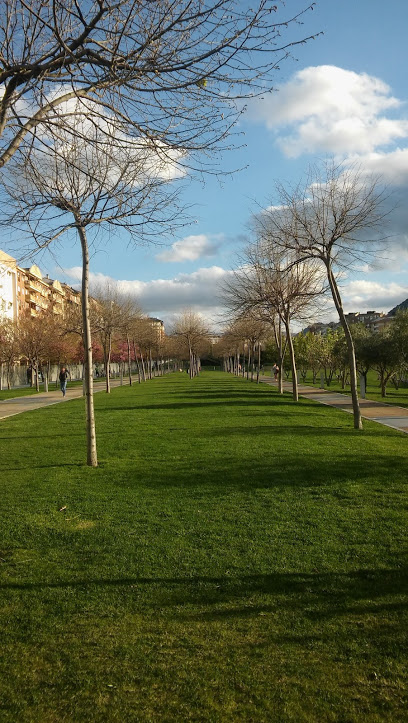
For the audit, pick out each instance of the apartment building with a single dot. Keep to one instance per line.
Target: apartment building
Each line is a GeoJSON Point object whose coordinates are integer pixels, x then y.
{"type": "Point", "coordinates": [26, 290]}
{"type": "Point", "coordinates": [158, 327]}
{"type": "Point", "coordinates": [370, 319]}
{"type": "Point", "coordinates": [8, 287]}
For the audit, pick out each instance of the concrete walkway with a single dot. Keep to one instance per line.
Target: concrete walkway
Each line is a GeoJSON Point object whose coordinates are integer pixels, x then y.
{"type": "Point", "coordinates": [395, 417]}
{"type": "Point", "coordinates": [17, 405]}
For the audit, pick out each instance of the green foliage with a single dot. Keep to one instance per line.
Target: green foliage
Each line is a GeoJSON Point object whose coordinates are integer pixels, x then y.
{"type": "Point", "coordinates": [270, 353]}
{"type": "Point", "coordinates": [399, 332]}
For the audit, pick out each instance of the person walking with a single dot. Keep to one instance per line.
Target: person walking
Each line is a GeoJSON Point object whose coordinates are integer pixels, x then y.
{"type": "Point", "coordinates": [275, 372]}
{"type": "Point", "coordinates": [63, 376]}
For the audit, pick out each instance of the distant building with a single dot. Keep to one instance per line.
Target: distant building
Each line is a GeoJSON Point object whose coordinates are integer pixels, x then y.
{"type": "Point", "coordinates": [158, 326]}
{"type": "Point", "coordinates": [8, 287]}
{"type": "Point", "coordinates": [320, 328]}
{"type": "Point", "coordinates": [381, 323]}
{"type": "Point", "coordinates": [368, 318]}
{"type": "Point", "coordinates": [26, 290]}
{"type": "Point", "coordinates": [373, 320]}
{"type": "Point", "coordinates": [36, 291]}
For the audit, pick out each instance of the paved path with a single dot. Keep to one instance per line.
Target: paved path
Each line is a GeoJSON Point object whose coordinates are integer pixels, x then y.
{"type": "Point", "coordinates": [17, 405]}
{"type": "Point", "coordinates": [395, 417]}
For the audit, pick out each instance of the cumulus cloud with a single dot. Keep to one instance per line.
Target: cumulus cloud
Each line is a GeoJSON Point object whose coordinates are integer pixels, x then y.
{"type": "Point", "coordinates": [360, 295]}
{"type": "Point", "coordinates": [199, 291]}
{"type": "Point", "coordinates": [191, 248]}
{"type": "Point", "coordinates": [332, 110]}
{"type": "Point", "coordinates": [391, 166]}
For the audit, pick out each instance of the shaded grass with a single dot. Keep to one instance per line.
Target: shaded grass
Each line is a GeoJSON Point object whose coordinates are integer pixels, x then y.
{"type": "Point", "coordinates": [235, 557]}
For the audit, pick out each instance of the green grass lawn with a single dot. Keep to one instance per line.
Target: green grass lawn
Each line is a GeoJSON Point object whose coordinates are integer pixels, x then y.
{"type": "Point", "coordinates": [235, 557]}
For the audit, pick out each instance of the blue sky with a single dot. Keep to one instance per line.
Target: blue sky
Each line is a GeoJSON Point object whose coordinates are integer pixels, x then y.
{"type": "Point", "coordinates": [346, 95]}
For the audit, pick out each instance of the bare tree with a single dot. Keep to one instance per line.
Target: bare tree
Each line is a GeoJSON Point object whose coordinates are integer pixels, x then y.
{"type": "Point", "coordinates": [86, 187]}
{"type": "Point", "coordinates": [103, 100]}
{"type": "Point", "coordinates": [167, 72]}
{"type": "Point", "coordinates": [269, 286]}
{"type": "Point", "coordinates": [130, 319]}
{"type": "Point", "coordinates": [190, 328]}
{"type": "Point", "coordinates": [33, 339]}
{"type": "Point", "coordinates": [9, 348]}
{"type": "Point", "coordinates": [110, 315]}
{"type": "Point", "coordinates": [244, 337]}
{"type": "Point", "coordinates": [333, 218]}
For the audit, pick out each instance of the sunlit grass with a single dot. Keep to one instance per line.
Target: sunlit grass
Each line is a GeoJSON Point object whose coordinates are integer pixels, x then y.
{"type": "Point", "coordinates": [234, 557]}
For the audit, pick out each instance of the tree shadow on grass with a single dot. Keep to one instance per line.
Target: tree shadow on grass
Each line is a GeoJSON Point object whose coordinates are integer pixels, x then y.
{"type": "Point", "coordinates": [239, 402]}
{"type": "Point", "coordinates": [302, 431]}
{"type": "Point", "coordinates": [316, 595]}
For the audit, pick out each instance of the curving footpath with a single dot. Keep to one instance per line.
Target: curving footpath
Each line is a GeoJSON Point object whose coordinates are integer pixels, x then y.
{"type": "Point", "coordinates": [390, 416]}
{"type": "Point", "coordinates": [18, 405]}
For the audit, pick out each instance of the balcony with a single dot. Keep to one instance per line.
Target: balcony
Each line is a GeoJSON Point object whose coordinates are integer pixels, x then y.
{"type": "Point", "coordinates": [31, 284]}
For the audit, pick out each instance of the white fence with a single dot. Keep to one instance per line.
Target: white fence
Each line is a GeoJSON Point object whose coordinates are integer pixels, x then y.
{"type": "Point", "coordinates": [18, 377]}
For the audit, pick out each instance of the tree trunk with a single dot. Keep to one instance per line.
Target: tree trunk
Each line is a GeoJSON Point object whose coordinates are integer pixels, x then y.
{"type": "Point", "coordinates": [129, 359]}
{"type": "Point", "coordinates": [143, 366]}
{"type": "Point", "coordinates": [281, 360]}
{"type": "Point", "coordinates": [190, 368]}
{"type": "Point", "coordinates": [37, 377]}
{"type": "Point", "coordinates": [107, 354]}
{"type": "Point", "coordinates": [350, 347]}
{"type": "Point", "coordinates": [139, 374]}
{"type": "Point", "coordinates": [258, 371]}
{"type": "Point", "coordinates": [383, 383]}
{"type": "Point", "coordinates": [292, 362]}
{"type": "Point", "coordinates": [92, 458]}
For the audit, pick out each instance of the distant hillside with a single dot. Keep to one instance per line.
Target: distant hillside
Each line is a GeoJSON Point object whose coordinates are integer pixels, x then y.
{"type": "Point", "coordinates": [403, 306]}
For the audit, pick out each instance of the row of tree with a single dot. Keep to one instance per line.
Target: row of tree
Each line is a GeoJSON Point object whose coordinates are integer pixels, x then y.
{"type": "Point", "coordinates": [317, 230]}
{"type": "Point", "coordinates": [121, 333]}
{"type": "Point", "coordinates": [385, 352]}
{"type": "Point", "coordinates": [106, 107]}
{"type": "Point", "coordinates": [248, 342]}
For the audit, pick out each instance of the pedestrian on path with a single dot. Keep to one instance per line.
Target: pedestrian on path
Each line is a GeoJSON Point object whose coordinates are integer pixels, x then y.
{"type": "Point", "coordinates": [63, 376]}
{"type": "Point", "coordinates": [275, 372]}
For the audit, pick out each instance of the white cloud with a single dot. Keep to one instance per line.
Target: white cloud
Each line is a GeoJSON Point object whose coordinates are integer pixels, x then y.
{"type": "Point", "coordinates": [199, 291]}
{"type": "Point", "coordinates": [392, 166]}
{"type": "Point", "coordinates": [191, 248]}
{"type": "Point", "coordinates": [332, 110]}
{"type": "Point", "coordinates": [360, 295]}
